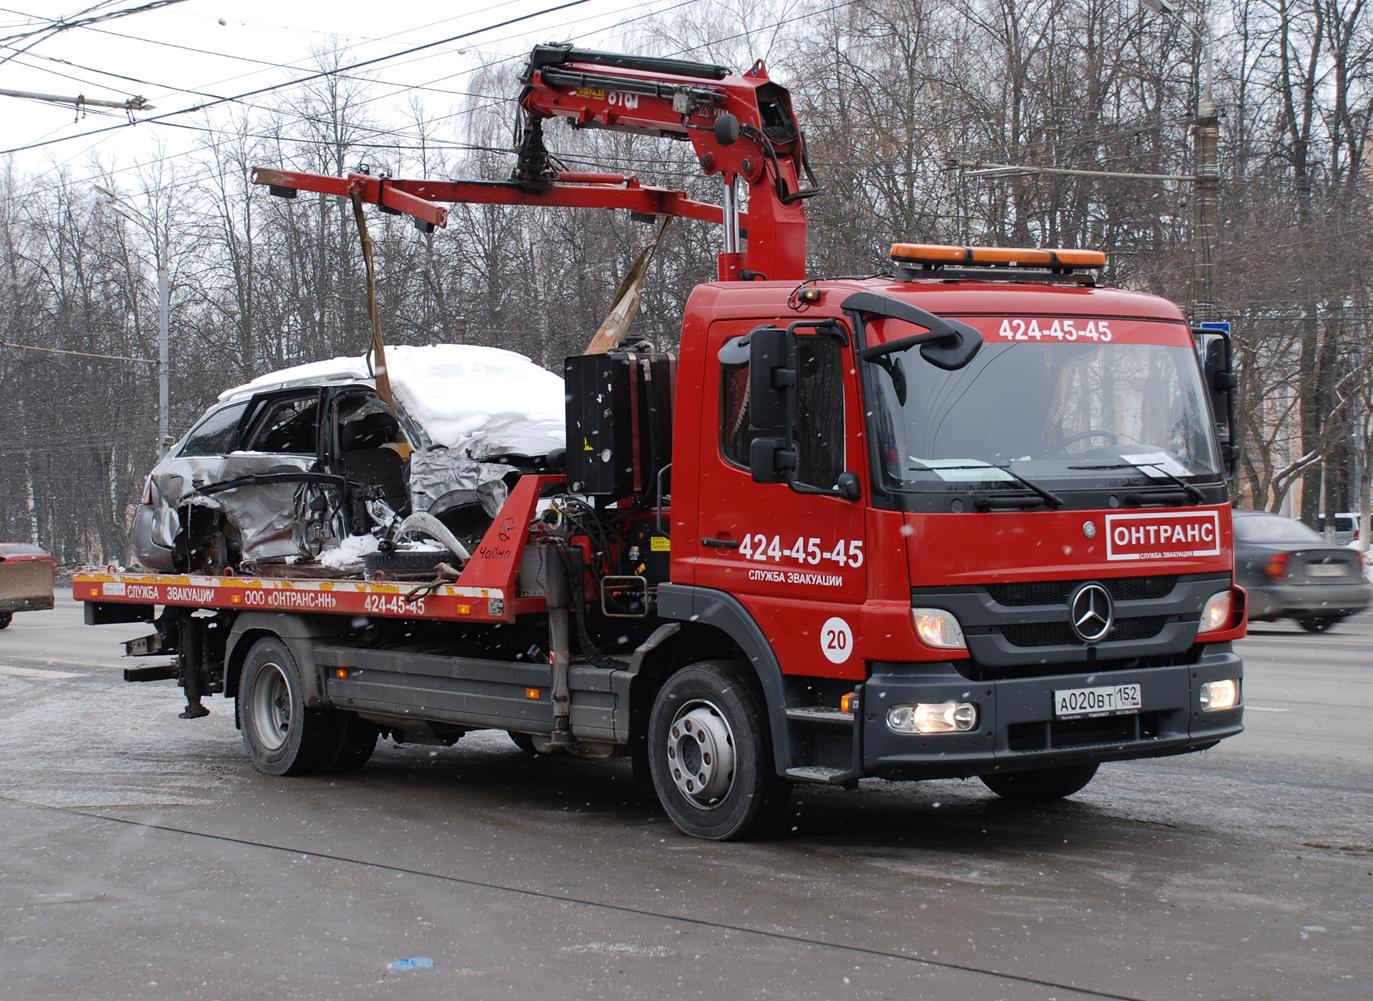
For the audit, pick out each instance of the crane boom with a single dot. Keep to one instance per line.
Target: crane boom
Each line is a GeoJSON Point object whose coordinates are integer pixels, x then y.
{"type": "Point", "coordinates": [741, 127]}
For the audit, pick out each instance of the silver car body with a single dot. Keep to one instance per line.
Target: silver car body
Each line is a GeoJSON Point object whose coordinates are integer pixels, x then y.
{"type": "Point", "coordinates": [269, 491]}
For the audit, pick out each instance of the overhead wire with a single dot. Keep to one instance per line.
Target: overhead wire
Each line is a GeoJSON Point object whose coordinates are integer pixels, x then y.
{"type": "Point", "coordinates": [490, 99]}
{"type": "Point", "coordinates": [58, 25]}
{"type": "Point", "coordinates": [321, 74]}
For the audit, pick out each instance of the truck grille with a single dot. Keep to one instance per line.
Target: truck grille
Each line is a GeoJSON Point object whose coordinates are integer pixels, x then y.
{"type": "Point", "coordinates": [1056, 592]}
{"type": "Point", "coordinates": [1061, 634]}
{"type": "Point", "coordinates": [1109, 730]}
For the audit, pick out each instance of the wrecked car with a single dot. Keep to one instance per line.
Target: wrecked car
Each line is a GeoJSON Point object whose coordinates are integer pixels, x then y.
{"type": "Point", "coordinates": [310, 466]}
{"type": "Point", "coordinates": [25, 579]}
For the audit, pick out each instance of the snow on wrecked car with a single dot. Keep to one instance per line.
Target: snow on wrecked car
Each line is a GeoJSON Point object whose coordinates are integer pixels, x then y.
{"type": "Point", "coordinates": [309, 465]}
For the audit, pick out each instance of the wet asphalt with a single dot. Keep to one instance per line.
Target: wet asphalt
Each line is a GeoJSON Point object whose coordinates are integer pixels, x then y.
{"type": "Point", "coordinates": [143, 858]}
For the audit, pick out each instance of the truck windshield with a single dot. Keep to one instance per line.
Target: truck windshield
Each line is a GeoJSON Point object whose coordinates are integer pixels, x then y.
{"type": "Point", "coordinates": [1122, 405]}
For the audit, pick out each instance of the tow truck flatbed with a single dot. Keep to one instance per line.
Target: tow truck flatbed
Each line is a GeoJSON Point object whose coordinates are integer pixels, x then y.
{"type": "Point", "coordinates": [382, 599]}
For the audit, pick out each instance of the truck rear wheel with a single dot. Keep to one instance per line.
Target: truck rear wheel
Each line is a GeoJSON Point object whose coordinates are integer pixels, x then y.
{"type": "Point", "coordinates": [5, 618]}
{"type": "Point", "coordinates": [1040, 784]}
{"type": "Point", "coordinates": [710, 755]}
{"type": "Point", "coordinates": [282, 736]}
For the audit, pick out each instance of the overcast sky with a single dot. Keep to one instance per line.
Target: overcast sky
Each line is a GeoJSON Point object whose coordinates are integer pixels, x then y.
{"type": "Point", "coordinates": [227, 47]}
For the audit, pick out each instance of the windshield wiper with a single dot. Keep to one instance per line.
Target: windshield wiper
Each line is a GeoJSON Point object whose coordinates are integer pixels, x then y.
{"type": "Point", "coordinates": [1045, 495]}
{"type": "Point", "coordinates": [1190, 489]}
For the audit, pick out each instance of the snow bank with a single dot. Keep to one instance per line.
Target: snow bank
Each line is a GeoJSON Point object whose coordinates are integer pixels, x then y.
{"type": "Point", "coordinates": [457, 393]}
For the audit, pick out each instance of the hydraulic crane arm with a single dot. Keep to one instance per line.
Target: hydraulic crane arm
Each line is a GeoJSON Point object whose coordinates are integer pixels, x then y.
{"type": "Point", "coordinates": [740, 127]}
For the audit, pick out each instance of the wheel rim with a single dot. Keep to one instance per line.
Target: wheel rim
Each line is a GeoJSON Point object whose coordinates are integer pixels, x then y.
{"type": "Point", "coordinates": [272, 707]}
{"type": "Point", "coordinates": [700, 754]}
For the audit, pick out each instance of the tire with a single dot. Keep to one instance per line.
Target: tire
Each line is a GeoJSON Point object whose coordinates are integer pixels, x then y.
{"type": "Point", "coordinates": [354, 740]}
{"type": "Point", "coordinates": [281, 735]}
{"type": "Point", "coordinates": [1318, 623]}
{"type": "Point", "coordinates": [524, 741]}
{"type": "Point", "coordinates": [5, 619]}
{"type": "Point", "coordinates": [711, 718]}
{"type": "Point", "coordinates": [1041, 784]}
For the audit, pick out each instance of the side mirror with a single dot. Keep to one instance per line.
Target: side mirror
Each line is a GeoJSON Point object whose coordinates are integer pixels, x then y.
{"type": "Point", "coordinates": [955, 350]}
{"type": "Point", "coordinates": [1218, 373]}
{"type": "Point", "coordinates": [771, 403]}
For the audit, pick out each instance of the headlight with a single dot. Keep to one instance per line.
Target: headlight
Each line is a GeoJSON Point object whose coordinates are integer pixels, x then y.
{"type": "Point", "coordinates": [932, 717]}
{"type": "Point", "coordinates": [1216, 613]}
{"type": "Point", "coordinates": [938, 628]}
{"type": "Point", "coordinates": [1218, 695]}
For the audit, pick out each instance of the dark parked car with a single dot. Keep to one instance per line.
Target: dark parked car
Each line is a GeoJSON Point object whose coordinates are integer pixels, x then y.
{"type": "Point", "coordinates": [1291, 572]}
{"type": "Point", "coordinates": [25, 579]}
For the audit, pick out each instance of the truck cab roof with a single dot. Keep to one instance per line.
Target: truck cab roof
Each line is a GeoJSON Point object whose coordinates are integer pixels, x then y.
{"type": "Point", "coordinates": [993, 296]}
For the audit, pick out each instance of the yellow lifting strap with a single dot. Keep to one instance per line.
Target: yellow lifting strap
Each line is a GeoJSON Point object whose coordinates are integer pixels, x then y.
{"type": "Point", "coordinates": [376, 351]}
{"type": "Point", "coordinates": [627, 298]}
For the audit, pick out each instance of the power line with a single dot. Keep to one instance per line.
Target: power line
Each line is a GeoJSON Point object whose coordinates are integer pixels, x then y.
{"type": "Point", "coordinates": [491, 100]}
{"type": "Point", "coordinates": [83, 354]}
{"type": "Point", "coordinates": [58, 25]}
{"type": "Point", "coordinates": [258, 91]}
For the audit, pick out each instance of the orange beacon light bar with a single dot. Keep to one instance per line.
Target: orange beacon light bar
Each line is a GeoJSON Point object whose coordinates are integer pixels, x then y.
{"type": "Point", "coordinates": [938, 255]}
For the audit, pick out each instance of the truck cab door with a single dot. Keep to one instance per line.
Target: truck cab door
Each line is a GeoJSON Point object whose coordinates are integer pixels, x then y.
{"type": "Point", "coordinates": [791, 552]}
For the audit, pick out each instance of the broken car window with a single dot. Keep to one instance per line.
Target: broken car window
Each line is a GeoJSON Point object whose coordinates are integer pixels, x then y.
{"type": "Point", "coordinates": [288, 425]}
{"type": "Point", "coordinates": [365, 422]}
{"type": "Point", "coordinates": [215, 434]}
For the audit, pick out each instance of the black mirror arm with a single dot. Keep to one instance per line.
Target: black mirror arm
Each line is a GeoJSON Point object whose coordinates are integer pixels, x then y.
{"type": "Point", "coordinates": [891, 347]}
{"type": "Point", "coordinates": [953, 334]}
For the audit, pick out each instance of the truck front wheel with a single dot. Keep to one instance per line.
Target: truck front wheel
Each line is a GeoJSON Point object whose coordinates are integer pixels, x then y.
{"type": "Point", "coordinates": [1041, 784]}
{"type": "Point", "coordinates": [710, 755]}
{"type": "Point", "coordinates": [282, 736]}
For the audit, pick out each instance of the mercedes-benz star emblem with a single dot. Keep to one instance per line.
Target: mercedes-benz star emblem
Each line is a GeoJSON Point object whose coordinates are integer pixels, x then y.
{"type": "Point", "coordinates": [1089, 530]}
{"type": "Point", "coordinates": [1091, 613]}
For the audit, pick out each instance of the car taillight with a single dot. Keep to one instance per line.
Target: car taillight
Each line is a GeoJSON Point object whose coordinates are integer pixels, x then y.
{"type": "Point", "coordinates": [1277, 567]}
{"type": "Point", "coordinates": [147, 490]}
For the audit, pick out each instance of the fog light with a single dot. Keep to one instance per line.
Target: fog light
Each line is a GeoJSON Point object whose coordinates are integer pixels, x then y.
{"type": "Point", "coordinates": [932, 717]}
{"type": "Point", "coordinates": [1215, 614]}
{"type": "Point", "coordinates": [1218, 695]}
{"type": "Point", "coordinates": [938, 628]}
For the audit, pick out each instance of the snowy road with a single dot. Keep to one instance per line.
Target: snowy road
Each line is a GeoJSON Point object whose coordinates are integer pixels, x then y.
{"type": "Point", "coordinates": [144, 859]}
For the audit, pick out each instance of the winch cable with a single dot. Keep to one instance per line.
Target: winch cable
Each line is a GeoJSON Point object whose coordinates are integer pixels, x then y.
{"type": "Point", "coordinates": [376, 351]}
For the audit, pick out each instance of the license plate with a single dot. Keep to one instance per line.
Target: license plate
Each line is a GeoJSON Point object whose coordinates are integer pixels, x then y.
{"type": "Point", "coordinates": [1111, 700]}
{"type": "Point", "coordinates": [1326, 570]}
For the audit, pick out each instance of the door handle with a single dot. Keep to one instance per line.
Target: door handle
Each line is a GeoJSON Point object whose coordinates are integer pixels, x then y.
{"type": "Point", "coordinates": [721, 543]}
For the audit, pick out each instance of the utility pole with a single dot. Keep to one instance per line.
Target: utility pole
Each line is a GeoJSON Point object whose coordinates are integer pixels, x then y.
{"type": "Point", "coordinates": [164, 356]}
{"type": "Point", "coordinates": [1206, 202]}
{"type": "Point", "coordinates": [1206, 194]}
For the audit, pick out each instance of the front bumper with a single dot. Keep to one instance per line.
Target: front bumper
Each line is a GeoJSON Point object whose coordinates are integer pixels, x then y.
{"type": "Point", "coordinates": [1274, 601]}
{"type": "Point", "coordinates": [1017, 730]}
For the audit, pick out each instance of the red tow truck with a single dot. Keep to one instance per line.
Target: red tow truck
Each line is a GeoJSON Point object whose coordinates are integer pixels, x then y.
{"type": "Point", "coordinates": [966, 518]}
